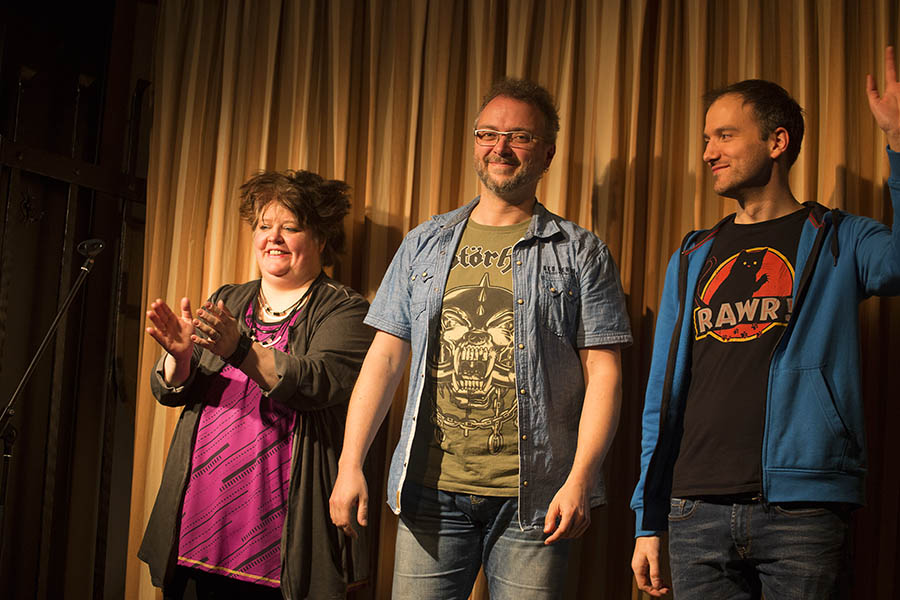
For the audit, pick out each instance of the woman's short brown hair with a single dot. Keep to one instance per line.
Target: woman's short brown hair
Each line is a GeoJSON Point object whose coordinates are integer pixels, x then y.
{"type": "Point", "coordinates": [319, 204]}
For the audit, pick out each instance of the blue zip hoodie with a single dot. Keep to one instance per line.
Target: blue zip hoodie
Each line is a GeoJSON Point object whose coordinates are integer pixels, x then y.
{"type": "Point", "coordinates": [814, 447]}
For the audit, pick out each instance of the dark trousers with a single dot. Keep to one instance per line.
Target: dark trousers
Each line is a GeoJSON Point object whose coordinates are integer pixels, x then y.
{"type": "Point", "coordinates": [744, 550]}
{"type": "Point", "coordinates": [194, 584]}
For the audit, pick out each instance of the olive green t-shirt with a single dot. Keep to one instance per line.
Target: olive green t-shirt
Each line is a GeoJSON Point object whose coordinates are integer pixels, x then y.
{"type": "Point", "coordinates": [467, 440]}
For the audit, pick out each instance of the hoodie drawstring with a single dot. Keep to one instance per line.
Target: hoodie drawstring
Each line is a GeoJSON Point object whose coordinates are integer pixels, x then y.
{"type": "Point", "coordinates": [836, 217]}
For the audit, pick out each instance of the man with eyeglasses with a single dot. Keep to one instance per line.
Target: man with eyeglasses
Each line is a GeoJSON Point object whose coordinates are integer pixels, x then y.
{"type": "Point", "coordinates": [514, 318]}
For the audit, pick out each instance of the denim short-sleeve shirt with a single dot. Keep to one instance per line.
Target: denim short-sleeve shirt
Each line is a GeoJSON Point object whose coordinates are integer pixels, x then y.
{"type": "Point", "coordinates": [567, 296]}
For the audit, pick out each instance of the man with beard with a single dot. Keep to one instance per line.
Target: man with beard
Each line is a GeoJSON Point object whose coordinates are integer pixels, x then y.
{"type": "Point", "coordinates": [753, 448]}
{"type": "Point", "coordinates": [514, 318]}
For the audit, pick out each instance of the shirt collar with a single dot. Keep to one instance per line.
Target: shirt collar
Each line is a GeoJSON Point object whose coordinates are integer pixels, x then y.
{"type": "Point", "coordinates": [543, 223]}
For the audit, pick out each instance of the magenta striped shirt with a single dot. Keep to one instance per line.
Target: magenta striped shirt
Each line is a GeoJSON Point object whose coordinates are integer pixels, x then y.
{"type": "Point", "coordinates": [237, 493]}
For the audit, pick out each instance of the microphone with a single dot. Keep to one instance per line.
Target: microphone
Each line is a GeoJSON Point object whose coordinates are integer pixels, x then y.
{"type": "Point", "coordinates": [91, 248]}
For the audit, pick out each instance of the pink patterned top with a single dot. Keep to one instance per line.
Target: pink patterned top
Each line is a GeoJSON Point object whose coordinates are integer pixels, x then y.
{"type": "Point", "coordinates": [237, 493]}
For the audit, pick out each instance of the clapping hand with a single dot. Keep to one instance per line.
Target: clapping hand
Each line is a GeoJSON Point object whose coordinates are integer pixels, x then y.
{"type": "Point", "coordinates": [169, 330]}
{"type": "Point", "coordinates": [219, 328]}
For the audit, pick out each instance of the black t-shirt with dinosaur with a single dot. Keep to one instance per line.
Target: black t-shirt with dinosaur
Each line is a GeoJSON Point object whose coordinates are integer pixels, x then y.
{"type": "Point", "coordinates": [741, 306]}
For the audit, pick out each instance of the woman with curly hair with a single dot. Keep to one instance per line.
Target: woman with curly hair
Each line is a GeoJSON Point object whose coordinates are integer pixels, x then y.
{"type": "Point", "coordinates": [264, 371]}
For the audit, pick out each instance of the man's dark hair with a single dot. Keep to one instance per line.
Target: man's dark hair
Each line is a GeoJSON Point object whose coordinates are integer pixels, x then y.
{"type": "Point", "coordinates": [530, 93]}
{"type": "Point", "coordinates": [319, 204]}
{"type": "Point", "coordinates": [772, 106]}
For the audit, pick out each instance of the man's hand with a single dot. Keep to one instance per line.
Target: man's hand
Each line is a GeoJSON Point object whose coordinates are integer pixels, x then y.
{"type": "Point", "coordinates": [569, 514]}
{"type": "Point", "coordinates": [886, 107]}
{"type": "Point", "coordinates": [645, 564]}
{"type": "Point", "coordinates": [350, 493]}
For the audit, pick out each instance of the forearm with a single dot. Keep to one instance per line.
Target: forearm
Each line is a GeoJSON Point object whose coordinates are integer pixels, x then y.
{"type": "Point", "coordinates": [319, 372]}
{"type": "Point", "coordinates": [176, 371]}
{"type": "Point", "coordinates": [599, 414]}
{"type": "Point", "coordinates": [260, 366]}
{"type": "Point", "coordinates": [371, 399]}
{"type": "Point", "coordinates": [174, 392]}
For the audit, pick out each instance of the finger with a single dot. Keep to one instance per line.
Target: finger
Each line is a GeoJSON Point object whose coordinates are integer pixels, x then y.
{"type": "Point", "coordinates": [159, 323]}
{"type": "Point", "coordinates": [215, 309]}
{"type": "Point", "coordinates": [210, 318]}
{"type": "Point", "coordinates": [655, 579]}
{"type": "Point", "coordinates": [871, 92]}
{"type": "Point", "coordinates": [154, 333]}
{"type": "Point", "coordinates": [551, 518]}
{"type": "Point", "coordinates": [340, 516]}
{"type": "Point", "coordinates": [223, 310]}
{"type": "Point", "coordinates": [186, 308]}
{"type": "Point", "coordinates": [205, 328]}
{"type": "Point", "coordinates": [159, 307]}
{"type": "Point", "coordinates": [362, 512]}
{"type": "Point", "coordinates": [561, 530]}
{"type": "Point", "coordinates": [640, 577]}
{"type": "Point", "coordinates": [203, 342]}
{"type": "Point", "coordinates": [208, 324]}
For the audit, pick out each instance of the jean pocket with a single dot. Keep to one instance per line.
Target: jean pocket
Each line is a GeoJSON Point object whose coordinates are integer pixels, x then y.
{"type": "Point", "coordinates": [801, 510]}
{"type": "Point", "coordinates": [681, 509]}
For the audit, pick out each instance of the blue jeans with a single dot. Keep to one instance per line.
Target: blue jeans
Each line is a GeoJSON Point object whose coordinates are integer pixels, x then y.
{"type": "Point", "coordinates": [444, 537]}
{"type": "Point", "coordinates": [741, 551]}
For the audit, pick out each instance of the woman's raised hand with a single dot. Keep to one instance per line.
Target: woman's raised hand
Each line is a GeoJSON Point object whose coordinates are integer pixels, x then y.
{"type": "Point", "coordinates": [170, 331]}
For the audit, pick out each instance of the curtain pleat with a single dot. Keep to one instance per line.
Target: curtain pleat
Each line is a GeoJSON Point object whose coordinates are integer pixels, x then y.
{"type": "Point", "coordinates": [383, 94]}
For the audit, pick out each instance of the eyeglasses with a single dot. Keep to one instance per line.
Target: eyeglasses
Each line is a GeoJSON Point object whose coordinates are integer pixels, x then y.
{"type": "Point", "coordinates": [516, 139]}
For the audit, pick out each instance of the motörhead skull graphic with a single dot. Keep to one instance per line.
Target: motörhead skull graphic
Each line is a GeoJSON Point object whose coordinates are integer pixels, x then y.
{"type": "Point", "coordinates": [474, 368]}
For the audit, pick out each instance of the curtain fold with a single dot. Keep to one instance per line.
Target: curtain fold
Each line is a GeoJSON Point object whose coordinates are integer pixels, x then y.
{"type": "Point", "coordinates": [383, 94]}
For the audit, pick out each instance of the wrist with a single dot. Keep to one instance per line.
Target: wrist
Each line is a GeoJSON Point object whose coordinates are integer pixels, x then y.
{"type": "Point", "coordinates": [347, 463]}
{"type": "Point", "coordinates": [244, 345]}
{"type": "Point", "coordinates": [178, 362]}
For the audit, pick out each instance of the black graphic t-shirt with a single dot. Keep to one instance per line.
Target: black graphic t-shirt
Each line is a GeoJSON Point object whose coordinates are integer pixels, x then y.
{"type": "Point", "coordinates": [467, 432]}
{"type": "Point", "coordinates": [741, 306]}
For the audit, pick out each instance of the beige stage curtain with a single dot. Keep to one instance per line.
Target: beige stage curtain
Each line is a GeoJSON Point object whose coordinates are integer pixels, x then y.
{"type": "Point", "coordinates": [383, 94]}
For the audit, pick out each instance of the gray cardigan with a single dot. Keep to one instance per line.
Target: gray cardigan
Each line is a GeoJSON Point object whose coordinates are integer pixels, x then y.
{"type": "Point", "coordinates": [328, 343]}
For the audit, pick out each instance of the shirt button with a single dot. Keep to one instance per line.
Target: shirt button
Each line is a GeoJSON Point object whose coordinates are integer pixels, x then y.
{"type": "Point", "coordinates": [521, 346]}
{"type": "Point", "coordinates": [413, 277]}
{"type": "Point", "coordinates": [570, 292]}
{"type": "Point", "coordinates": [552, 289]}
{"type": "Point", "coordinates": [522, 391]}
{"type": "Point", "coordinates": [520, 301]}
{"type": "Point", "coordinates": [524, 437]}
{"type": "Point", "coordinates": [524, 484]}
{"type": "Point", "coordinates": [424, 273]}
{"type": "Point", "coordinates": [519, 263]}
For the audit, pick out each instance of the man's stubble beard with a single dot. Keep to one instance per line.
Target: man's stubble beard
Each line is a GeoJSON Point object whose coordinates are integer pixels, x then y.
{"type": "Point", "coordinates": [528, 174]}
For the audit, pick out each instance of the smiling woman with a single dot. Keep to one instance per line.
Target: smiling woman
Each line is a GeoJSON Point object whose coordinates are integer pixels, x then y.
{"type": "Point", "coordinates": [297, 220]}
{"type": "Point", "coordinates": [264, 371]}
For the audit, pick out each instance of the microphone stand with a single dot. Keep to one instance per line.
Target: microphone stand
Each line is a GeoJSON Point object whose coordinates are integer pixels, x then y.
{"type": "Point", "coordinates": [89, 248]}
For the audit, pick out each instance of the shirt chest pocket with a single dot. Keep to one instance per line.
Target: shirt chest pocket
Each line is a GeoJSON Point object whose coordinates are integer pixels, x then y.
{"type": "Point", "coordinates": [420, 281]}
{"type": "Point", "coordinates": [559, 302]}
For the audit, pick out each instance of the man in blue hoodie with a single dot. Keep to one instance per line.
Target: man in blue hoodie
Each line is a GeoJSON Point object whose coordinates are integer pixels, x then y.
{"type": "Point", "coordinates": [753, 446]}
